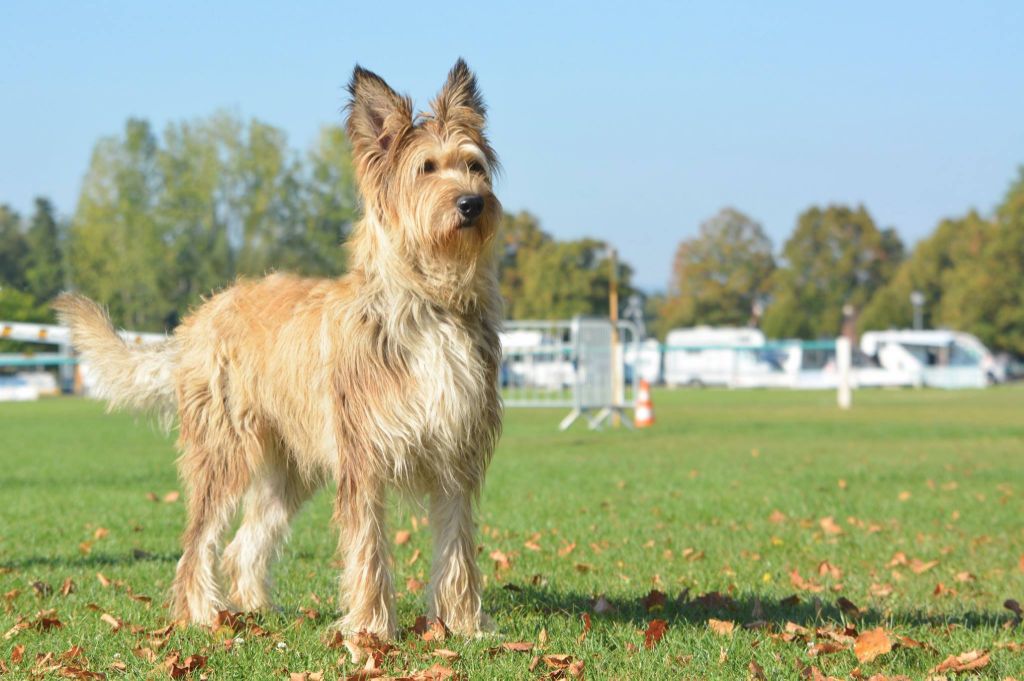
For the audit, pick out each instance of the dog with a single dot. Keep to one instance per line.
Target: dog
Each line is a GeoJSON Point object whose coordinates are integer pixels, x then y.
{"type": "Point", "coordinates": [385, 378]}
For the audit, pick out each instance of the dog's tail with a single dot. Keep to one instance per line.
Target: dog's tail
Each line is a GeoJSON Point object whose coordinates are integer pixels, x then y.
{"type": "Point", "coordinates": [135, 377]}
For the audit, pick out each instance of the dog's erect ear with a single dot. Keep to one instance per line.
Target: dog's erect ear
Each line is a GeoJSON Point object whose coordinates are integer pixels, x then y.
{"type": "Point", "coordinates": [377, 115]}
{"type": "Point", "coordinates": [460, 100]}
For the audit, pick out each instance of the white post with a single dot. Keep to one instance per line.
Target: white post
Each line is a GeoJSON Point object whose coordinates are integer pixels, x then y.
{"type": "Point", "coordinates": [843, 361]}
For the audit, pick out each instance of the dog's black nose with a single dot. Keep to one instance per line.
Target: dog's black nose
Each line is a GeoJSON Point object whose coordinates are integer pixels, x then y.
{"type": "Point", "coordinates": [470, 206]}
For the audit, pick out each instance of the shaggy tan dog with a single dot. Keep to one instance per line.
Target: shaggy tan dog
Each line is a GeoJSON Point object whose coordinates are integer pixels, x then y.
{"type": "Point", "coordinates": [384, 378]}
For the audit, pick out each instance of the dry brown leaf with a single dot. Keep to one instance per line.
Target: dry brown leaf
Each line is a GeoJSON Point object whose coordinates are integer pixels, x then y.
{"type": "Point", "coordinates": [501, 561]}
{"type": "Point", "coordinates": [403, 537]}
{"type": "Point", "coordinates": [566, 550]}
{"type": "Point", "coordinates": [518, 646]}
{"type": "Point", "coordinates": [871, 644]}
{"type": "Point", "coordinates": [104, 582]}
{"type": "Point", "coordinates": [68, 587]}
{"type": "Point", "coordinates": [969, 661]}
{"type": "Point", "coordinates": [777, 517]}
{"type": "Point", "coordinates": [654, 633]}
{"type": "Point", "coordinates": [829, 526]}
{"type": "Point", "coordinates": [100, 533]}
{"type": "Point", "coordinates": [756, 672]}
{"type": "Point", "coordinates": [412, 585]}
{"type": "Point", "coordinates": [721, 627]}
{"type": "Point", "coordinates": [17, 653]}
{"type": "Point", "coordinates": [445, 654]}
{"type": "Point", "coordinates": [917, 566]}
{"type": "Point", "coordinates": [171, 497]}
{"type": "Point", "coordinates": [114, 622]}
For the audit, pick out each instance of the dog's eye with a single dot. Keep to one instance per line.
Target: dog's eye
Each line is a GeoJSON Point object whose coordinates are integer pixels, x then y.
{"type": "Point", "coordinates": [477, 167]}
{"type": "Point", "coordinates": [428, 167]}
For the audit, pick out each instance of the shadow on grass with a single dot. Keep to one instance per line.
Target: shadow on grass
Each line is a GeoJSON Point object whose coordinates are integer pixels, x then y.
{"type": "Point", "coordinates": [92, 560]}
{"type": "Point", "coordinates": [748, 611]}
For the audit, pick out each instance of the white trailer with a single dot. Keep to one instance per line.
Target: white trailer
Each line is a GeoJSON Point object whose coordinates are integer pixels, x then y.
{"type": "Point", "coordinates": [705, 355]}
{"type": "Point", "coordinates": [934, 358]}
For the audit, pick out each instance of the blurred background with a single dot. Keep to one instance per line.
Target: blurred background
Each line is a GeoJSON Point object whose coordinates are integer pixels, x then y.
{"type": "Point", "coordinates": [799, 169]}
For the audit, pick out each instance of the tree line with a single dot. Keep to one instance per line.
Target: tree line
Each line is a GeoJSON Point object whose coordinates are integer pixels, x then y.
{"type": "Point", "coordinates": [166, 219]}
{"type": "Point", "coordinates": [969, 270]}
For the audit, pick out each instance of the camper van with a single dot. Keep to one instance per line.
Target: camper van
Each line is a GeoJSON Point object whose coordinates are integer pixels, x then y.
{"type": "Point", "coordinates": [710, 356]}
{"type": "Point", "coordinates": [936, 358]}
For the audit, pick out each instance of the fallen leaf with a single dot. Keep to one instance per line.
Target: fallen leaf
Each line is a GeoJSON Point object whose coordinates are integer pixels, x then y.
{"type": "Point", "coordinates": [114, 622]}
{"type": "Point", "coordinates": [17, 653]}
{"type": "Point", "coordinates": [566, 550]}
{"type": "Point", "coordinates": [68, 587]}
{"type": "Point", "coordinates": [518, 646]}
{"type": "Point", "coordinates": [871, 644]}
{"type": "Point", "coordinates": [402, 537]}
{"type": "Point", "coordinates": [412, 585]}
{"type": "Point", "coordinates": [828, 524]}
{"type": "Point", "coordinates": [501, 561]}
{"type": "Point", "coordinates": [654, 633]}
{"type": "Point", "coordinates": [171, 497]}
{"type": "Point", "coordinates": [445, 654]}
{"type": "Point", "coordinates": [721, 627]}
{"type": "Point", "coordinates": [100, 533]}
{"type": "Point", "coordinates": [917, 566]}
{"type": "Point", "coordinates": [104, 582]}
{"type": "Point", "coordinates": [969, 661]}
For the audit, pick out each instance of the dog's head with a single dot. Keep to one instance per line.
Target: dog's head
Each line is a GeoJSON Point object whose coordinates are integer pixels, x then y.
{"type": "Point", "coordinates": [425, 180]}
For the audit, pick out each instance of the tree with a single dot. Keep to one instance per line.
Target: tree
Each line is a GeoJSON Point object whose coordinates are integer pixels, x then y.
{"type": "Point", "coordinates": [44, 271]}
{"type": "Point", "coordinates": [13, 249]}
{"type": "Point", "coordinates": [561, 279]}
{"type": "Point", "coordinates": [947, 262]}
{"type": "Point", "coordinates": [521, 235]}
{"type": "Point", "coordinates": [120, 254]}
{"type": "Point", "coordinates": [331, 204]}
{"type": "Point", "coordinates": [836, 256]}
{"type": "Point", "coordinates": [719, 275]}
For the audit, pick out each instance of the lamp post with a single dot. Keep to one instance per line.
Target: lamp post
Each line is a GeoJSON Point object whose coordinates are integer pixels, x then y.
{"type": "Point", "coordinates": [917, 300]}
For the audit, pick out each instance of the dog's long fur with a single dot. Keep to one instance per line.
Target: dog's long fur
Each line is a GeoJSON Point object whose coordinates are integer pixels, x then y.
{"type": "Point", "coordinates": [386, 377]}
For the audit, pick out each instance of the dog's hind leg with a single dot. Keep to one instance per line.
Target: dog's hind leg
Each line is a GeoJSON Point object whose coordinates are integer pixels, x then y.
{"type": "Point", "coordinates": [366, 587]}
{"type": "Point", "coordinates": [214, 490]}
{"type": "Point", "coordinates": [275, 494]}
{"type": "Point", "coordinates": [455, 583]}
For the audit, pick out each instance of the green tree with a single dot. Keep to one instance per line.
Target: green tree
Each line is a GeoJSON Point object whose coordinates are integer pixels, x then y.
{"type": "Point", "coordinates": [836, 256]}
{"type": "Point", "coordinates": [943, 267]}
{"type": "Point", "coordinates": [996, 299]}
{"type": "Point", "coordinates": [190, 213]}
{"type": "Point", "coordinates": [13, 249]}
{"type": "Point", "coordinates": [44, 271]}
{"type": "Point", "coordinates": [521, 236]}
{"type": "Point", "coordinates": [331, 204]}
{"type": "Point", "coordinates": [561, 279]}
{"type": "Point", "coordinates": [720, 274]}
{"type": "Point", "coordinates": [120, 256]}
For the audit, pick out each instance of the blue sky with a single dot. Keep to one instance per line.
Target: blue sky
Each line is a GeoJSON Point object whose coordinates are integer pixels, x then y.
{"type": "Point", "coordinates": [631, 122]}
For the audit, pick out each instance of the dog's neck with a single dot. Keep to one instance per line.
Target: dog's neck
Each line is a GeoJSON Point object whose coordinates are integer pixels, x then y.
{"type": "Point", "coordinates": [399, 282]}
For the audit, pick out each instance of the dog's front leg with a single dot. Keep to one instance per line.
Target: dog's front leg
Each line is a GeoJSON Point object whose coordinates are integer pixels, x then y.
{"type": "Point", "coordinates": [455, 584]}
{"type": "Point", "coordinates": [366, 588]}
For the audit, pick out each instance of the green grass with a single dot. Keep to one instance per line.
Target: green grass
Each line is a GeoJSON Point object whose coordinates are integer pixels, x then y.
{"type": "Point", "coordinates": [685, 505]}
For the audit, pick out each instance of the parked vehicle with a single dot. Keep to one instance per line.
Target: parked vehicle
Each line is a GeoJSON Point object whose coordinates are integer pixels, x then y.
{"type": "Point", "coordinates": [704, 355]}
{"type": "Point", "coordinates": [935, 358]}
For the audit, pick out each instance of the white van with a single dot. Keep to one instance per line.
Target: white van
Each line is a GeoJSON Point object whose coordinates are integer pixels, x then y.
{"type": "Point", "coordinates": [705, 355]}
{"type": "Point", "coordinates": [936, 358]}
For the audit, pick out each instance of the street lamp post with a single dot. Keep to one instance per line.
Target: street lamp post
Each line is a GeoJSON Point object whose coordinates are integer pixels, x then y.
{"type": "Point", "coordinates": [917, 300]}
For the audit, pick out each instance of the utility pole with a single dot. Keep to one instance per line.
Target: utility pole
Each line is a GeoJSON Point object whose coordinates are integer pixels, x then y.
{"type": "Point", "coordinates": [613, 315]}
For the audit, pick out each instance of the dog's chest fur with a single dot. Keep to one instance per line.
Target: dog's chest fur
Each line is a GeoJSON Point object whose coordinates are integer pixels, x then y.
{"type": "Point", "coordinates": [439, 420]}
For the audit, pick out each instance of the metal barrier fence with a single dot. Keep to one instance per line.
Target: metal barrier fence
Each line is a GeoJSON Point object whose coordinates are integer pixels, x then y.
{"type": "Point", "coordinates": [577, 364]}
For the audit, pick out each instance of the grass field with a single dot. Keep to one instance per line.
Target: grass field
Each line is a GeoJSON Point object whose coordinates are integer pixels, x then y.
{"type": "Point", "coordinates": [914, 499]}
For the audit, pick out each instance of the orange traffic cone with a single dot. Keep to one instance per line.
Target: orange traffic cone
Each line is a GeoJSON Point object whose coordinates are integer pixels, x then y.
{"type": "Point", "coordinates": [643, 414]}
